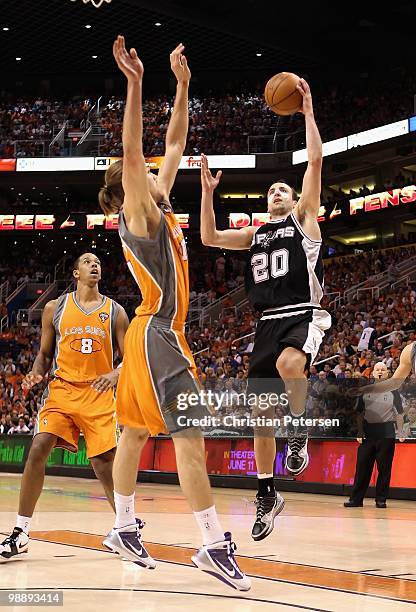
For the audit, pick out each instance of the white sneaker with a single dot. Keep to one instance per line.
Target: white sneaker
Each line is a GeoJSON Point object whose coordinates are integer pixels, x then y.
{"type": "Point", "coordinates": [127, 542]}
{"type": "Point", "coordinates": [107, 541]}
{"type": "Point", "coordinates": [218, 560]}
{"type": "Point", "coordinates": [15, 544]}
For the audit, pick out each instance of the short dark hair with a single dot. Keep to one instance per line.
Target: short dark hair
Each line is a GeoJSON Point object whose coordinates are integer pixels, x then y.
{"type": "Point", "coordinates": [294, 194]}
{"type": "Point", "coordinates": [78, 259]}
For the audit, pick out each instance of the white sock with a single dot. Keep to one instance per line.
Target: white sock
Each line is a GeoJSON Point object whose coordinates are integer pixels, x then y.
{"type": "Point", "coordinates": [125, 514]}
{"type": "Point", "coordinates": [262, 476]}
{"type": "Point", "coordinates": [209, 525]}
{"type": "Point", "coordinates": [24, 523]}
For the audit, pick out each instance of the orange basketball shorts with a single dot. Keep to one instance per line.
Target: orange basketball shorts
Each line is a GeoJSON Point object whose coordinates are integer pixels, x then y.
{"type": "Point", "coordinates": [157, 366]}
{"type": "Point", "coordinates": [70, 408]}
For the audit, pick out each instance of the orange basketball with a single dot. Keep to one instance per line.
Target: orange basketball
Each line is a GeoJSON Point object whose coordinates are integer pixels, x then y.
{"type": "Point", "coordinates": [281, 94]}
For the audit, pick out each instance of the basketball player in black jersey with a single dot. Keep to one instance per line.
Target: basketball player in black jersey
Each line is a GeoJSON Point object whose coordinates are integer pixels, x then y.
{"type": "Point", "coordinates": [284, 280]}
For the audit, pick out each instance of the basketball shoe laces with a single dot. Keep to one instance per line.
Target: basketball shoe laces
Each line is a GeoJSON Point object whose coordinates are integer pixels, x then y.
{"type": "Point", "coordinates": [11, 540]}
{"type": "Point", "coordinates": [231, 548]}
{"type": "Point", "coordinates": [139, 525]}
{"type": "Point", "coordinates": [264, 505]}
{"type": "Point", "coordinates": [296, 442]}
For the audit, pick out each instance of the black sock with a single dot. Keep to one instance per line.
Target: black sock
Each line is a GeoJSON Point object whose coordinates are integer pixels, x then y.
{"type": "Point", "coordinates": [265, 487]}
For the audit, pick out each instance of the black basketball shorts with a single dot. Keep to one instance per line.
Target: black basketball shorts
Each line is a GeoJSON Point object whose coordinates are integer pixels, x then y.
{"type": "Point", "coordinates": [303, 331]}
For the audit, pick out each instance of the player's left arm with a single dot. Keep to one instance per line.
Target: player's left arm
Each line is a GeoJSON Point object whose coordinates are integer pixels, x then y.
{"type": "Point", "coordinates": [307, 208]}
{"type": "Point", "coordinates": [178, 124]}
{"type": "Point", "coordinates": [107, 381]}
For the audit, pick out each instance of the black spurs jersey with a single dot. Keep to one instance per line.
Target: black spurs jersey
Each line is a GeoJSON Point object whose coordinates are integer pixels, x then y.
{"type": "Point", "coordinates": [285, 267]}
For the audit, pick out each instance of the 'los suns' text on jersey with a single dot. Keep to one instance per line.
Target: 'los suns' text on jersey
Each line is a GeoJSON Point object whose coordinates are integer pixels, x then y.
{"type": "Point", "coordinates": [85, 341]}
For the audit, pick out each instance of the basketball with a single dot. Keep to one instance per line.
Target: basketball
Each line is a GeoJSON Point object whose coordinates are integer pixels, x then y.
{"type": "Point", "coordinates": [281, 94]}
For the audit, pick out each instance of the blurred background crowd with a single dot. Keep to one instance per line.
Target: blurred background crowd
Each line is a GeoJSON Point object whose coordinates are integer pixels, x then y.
{"type": "Point", "coordinates": [218, 123]}
{"type": "Point", "coordinates": [222, 346]}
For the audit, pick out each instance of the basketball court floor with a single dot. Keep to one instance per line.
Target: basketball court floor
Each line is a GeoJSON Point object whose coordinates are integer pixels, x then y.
{"type": "Point", "coordinates": [321, 556]}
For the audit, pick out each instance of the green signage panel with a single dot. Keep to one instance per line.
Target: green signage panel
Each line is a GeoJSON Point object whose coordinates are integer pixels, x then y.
{"type": "Point", "coordinates": [15, 449]}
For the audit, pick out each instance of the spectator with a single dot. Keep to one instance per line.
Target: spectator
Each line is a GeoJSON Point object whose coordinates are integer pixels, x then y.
{"type": "Point", "coordinates": [19, 427]}
{"type": "Point", "coordinates": [409, 428]}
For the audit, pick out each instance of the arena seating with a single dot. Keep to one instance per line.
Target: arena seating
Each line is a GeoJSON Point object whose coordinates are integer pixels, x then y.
{"type": "Point", "coordinates": [222, 347]}
{"type": "Point", "coordinates": [219, 124]}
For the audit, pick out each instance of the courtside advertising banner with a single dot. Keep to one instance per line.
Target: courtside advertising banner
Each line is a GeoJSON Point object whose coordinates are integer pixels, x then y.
{"type": "Point", "coordinates": [189, 162]}
{"type": "Point", "coordinates": [54, 164]}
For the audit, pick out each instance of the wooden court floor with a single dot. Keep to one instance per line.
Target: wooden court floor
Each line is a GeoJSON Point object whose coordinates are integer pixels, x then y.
{"type": "Point", "coordinates": [321, 556]}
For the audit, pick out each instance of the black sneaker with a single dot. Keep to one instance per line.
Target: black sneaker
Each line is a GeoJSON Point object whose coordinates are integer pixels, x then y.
{"type": "Point", "coordinates": [15, 544]}
{"type": "Point", "coordinates": [268, 508]}
{"type": "Point", "coordinates": [297, 458]}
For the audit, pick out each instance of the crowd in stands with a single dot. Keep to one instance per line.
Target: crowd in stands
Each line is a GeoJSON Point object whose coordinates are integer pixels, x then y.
{"type": "Point", "coordinates": [222, 347]}
{"type": "Point", "coordinates": [18, 408]}
{"type": "Point", "coordinates": [20, 274]}
{"type": "Point", "coordinates": [217, 124]}
{"type": "Point", "coordinates": [400, 180]}
{"type": "Point", "coordinates": [25, 267]}
{"type": "Point", "coordinates": [347, 271]}
{"type": "Point", "coordinates": [25, 125]}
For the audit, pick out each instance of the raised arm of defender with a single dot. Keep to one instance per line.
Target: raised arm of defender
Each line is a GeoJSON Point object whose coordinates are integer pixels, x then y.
{"type": "Point", "coordinates": [140, 211]}
{"type": "Point", "coordinates": [178, 124]}
{"type": "Point", "coordinates": [307, 208]}
{"type": "Point", "coordinates": [228, 239]}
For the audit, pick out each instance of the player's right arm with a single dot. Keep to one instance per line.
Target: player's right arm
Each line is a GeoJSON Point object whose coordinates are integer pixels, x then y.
{"type": "Point", "coordinates": [43, 361]}
{"type": "Point", "coordinates": [140, 211]}
{"type": "Point", "coordinates": [307, 208]}
{"type": "Point", "coordinates": [178, 125]}
{"type": "Point", "coordinates": [228, 239]}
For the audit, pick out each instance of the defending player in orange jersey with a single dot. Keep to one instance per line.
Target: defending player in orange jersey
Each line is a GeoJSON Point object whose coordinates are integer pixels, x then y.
{"type": "Point", "coordinates": [80, 332]}
{"type": "Point", "coordinates": [158, 365]}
